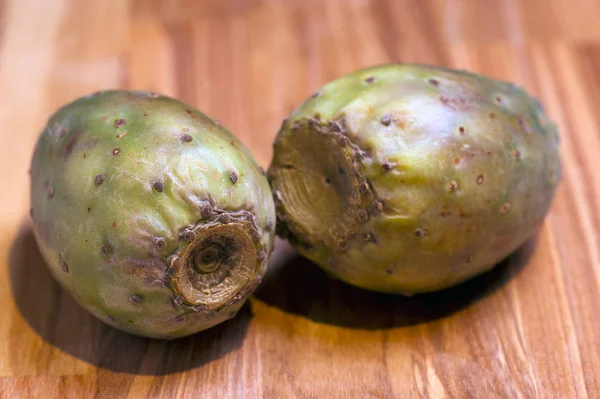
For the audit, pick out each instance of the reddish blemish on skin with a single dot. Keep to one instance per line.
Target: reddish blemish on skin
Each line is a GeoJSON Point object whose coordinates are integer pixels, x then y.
{"type": "Point", "coordinates": [480, 179]}
{"type": "Point", "coordinates": [206, 210]}
{"type": "Point", "coordinates": [455, 103]}
{"type": "Point", "coordinates": [524, 126]}
{"type": "Point", "coordinates": [378, 205]}
{"type": "Point", "coordinates": [370, 79]}
{"type": "Point", "coordinates": [337, 126]}
{"type": "Point", "coordinates": [362, 215]}
{"type": "Point", "coordinates": [189, 235]}
{"type": "Point", "coordinates": [64, 266]}
{"type": "Point", "coordinates": [261, 256]}
{"type": "Point", "coordinates": [136, 299]}
{"type": "Point", "coordinates": [452, 186]}
{"type": "Point", "coordinates": [433, 82]}
{"type": "Point", "coordinates": [116, 151]}
{"type": "Point", "coordinates": [420, 233]}
{"type": "Point", "coordinates": [269, 226]}
{"type": "Point", "coordinates": [364, 188]}
{"type": "Point", "coordinates": [158, 186]}
{"type": "Point", "coordinates": [177, 301]}
{"type": "Point", "coordinates": [342, 140]}
{"type": "Point", "coordinates": [186, 138]}
{"type": "Point", "coordinates": [71, 145]}
{"type": "Point", "coordinates": [114, 225]}
{"type": "Point", "coordinates": [386, 120]}
{"type": "Point", "coordinates": [119, 123]}
{"type": "Point", "coordinates": [161, 242]}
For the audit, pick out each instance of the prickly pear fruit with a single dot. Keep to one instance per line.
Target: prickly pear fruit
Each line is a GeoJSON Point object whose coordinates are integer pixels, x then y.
{"type": "Point", "coordinates": [413, 178]}
{"type": "Point", "coordinates": [152, 215]}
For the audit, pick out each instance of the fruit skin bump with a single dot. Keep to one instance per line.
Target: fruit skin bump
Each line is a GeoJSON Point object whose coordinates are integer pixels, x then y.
{"type": "Point", "coordinates": [409, 178]}
{"type": "Point", "coordinates": [149, 213]}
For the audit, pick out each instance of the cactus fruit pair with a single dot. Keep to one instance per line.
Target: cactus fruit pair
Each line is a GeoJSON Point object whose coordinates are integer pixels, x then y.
{"type": "Point", "coordinates": [398, 178]}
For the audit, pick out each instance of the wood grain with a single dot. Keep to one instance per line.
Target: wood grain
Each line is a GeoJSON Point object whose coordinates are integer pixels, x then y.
{"type": "Point", "coordinates": [528, 329]}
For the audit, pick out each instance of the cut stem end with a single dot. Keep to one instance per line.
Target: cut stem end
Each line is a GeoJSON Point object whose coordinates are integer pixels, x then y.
{"type": "Point", "coordinates": [219, 266]}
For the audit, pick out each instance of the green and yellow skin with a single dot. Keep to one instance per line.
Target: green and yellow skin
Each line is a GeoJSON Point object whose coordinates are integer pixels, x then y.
{"type": "Point", "coordinates": [149, 213]}
{"type": "Point", "coordinates": [413, 178]}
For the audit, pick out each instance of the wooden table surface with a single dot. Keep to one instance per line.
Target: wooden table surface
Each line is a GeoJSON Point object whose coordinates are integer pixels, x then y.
{"type": "Point", "coordinates": [528, 329]}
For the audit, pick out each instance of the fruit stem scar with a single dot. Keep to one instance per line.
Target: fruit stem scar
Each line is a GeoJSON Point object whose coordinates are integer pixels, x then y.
{"type": "Point", "coordinates": [219, 263]}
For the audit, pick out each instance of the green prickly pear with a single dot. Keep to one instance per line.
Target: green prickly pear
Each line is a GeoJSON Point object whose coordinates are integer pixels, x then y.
{"type": "Point", "coordinates": [152, 215]}
{"type": "Point", "coordinates": [413, 178]}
